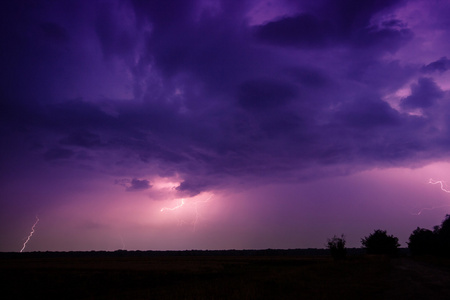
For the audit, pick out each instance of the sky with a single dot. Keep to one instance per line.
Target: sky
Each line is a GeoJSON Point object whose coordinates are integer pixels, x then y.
{"type": "Point", "coordinates": [208, 124]}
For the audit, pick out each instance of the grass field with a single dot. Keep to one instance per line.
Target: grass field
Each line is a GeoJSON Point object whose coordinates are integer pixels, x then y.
{"type": "Point", "coordinates": [181, 276]}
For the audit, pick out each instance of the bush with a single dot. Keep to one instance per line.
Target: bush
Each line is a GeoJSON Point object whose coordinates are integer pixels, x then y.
{"type": "Point", "coordinates": [443, 237]}
{"type": "Point", "coordinates": [380, 243]}
{"type": "Point", "coordinates": [436, 242]}
{"type": "Point", "coordinates": [422, 241]}
{"type": "Point", "coordinates": [337, 247]}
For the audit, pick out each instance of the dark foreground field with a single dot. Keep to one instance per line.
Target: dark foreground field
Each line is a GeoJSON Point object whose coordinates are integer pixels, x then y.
{"type": "Point", "coordinates": [211, 275]}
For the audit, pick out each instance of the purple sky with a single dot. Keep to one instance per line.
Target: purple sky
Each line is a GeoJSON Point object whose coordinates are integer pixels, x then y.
{"type": "Point", "coordinates": [221, 124]}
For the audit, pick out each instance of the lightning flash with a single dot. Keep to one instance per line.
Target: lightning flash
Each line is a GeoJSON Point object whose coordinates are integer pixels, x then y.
{"type": "Point", "coordinates": [441, 183]}
{"type": "Point", "coordinates": [443, 187]}
{"type": "Point", "coordinates": [173, 208]}
{"type": "Point", "coordinates": [191, 207]}
{"type": "Point", "coordinates": [30, 235]}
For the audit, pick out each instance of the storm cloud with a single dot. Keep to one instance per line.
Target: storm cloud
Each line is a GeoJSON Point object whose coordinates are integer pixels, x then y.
{"type": "Point", "coordinates": [208, 95]}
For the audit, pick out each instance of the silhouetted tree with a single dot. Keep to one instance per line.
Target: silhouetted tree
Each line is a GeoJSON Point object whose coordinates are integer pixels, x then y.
{"type": "Point", "coordinates": [380, 243]}
{"type": "Point", "coordinates": [443, 236]}
{"type": "Point", "coordinates": [337, 247]}
{"type": "Point", "coordinates": [422, 241]}
{"type": "Point", "coordinates": [437, 242]}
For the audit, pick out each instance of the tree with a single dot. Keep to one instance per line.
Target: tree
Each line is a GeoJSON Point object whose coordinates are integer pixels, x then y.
{"type": "Point", "coordinates": [337, 247]}
{"type": "Point", "coordinates": [422, 241]}
{"type": "Point", "coordinates": [443, 236]}
{"type": "Point", "coordinates": [380, 243]}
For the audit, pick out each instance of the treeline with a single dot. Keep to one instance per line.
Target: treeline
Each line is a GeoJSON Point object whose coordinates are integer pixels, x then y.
{"type": "Point", "coordinates": [421, 242]}
{"type": "Point", "coordinates": [431, 242]}
{"type": "Point", "coordinates": [157, 253]}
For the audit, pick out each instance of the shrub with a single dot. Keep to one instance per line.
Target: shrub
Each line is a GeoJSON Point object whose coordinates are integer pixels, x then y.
{"type": "Point", "coordinates": [443, 237]}
{"type": "Point", "coordinates": [337, 247]}
{"type": "Point", "coordinates": [380, 243]}
{"type": "Point", "coordinates": [422, 241]}
{"type": "Point", "coordinates": [436, 242]}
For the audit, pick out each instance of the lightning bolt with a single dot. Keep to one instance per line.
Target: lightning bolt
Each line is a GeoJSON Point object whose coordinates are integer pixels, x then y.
{"type": "Point", "coordinates": [196, 211]}
{"type": "Point", "coordinates": [193, 204]}
{"type": "Point", "coordinates": [30, 235]}
{"type": "Point", "coordinates": [443, 186]}
{"type": "Point", "coordinates": [173, 208]}
{"type": "Point", "coordinates": [441, 183]}
{"type": "Point", "coordinates": [123, 243]}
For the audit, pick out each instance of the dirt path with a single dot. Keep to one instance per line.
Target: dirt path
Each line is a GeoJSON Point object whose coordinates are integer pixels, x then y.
{"type": "Point", "coordinates": [412, 279]}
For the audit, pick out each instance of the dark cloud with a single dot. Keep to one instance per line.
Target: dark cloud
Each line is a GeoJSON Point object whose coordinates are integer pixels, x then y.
{"type": "Point", "coordinates": [58, 153]}
{"type": "Point", "coordinates": [55, 32]}
{"type": "Point", "coordinates": [137, 185]}
{"type": "Point", "coordinates": [114, 39]}
{"type": "Point", "coordinates": [309, 77]}
{"type": "Point", "coordinates": [441, 65]}
{"type": "Point", "coordinates": [264, 94]}
{"type": "Point", "coordinates": [194, 186]}
{"type": "Point", "coordinates": [369, 113]}
{"type": "Point", "coordinates": [350, 16]}
{"type": "Point", "coordinates": [373, 73]}
{"type": "Point", "coordinates": [75, 115]}
{"type": "Point", "coordinates": [165, 15]}
{"type": "Point", "coordinates": [389, 37]}
{"type": "Point", "coordinates": [82, 138]}
{"type": "Point", "coordinates": [424, 94]}
{"type": "Point", "coordinates": [208, 97]}
{"type": "Point", "coordinates": [134, 184]}
{"type": "Point", "coordinates": [304, 30]}
{"type": "Point", "coordinates": [335, 23]}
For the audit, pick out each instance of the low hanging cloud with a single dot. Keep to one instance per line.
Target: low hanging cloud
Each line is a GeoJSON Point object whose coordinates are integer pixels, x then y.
{"type": "Point", "coordinates": [441, 66]}
{"type": "Point", "coordinates": [132, 185]}
{"type": "Point", "coordinates": [424, 94]}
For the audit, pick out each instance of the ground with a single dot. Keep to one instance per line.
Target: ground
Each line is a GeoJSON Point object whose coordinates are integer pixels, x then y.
{"type": "Point", "coordinates": [192, 275]}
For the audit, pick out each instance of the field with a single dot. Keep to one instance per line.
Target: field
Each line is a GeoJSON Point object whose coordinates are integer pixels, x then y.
{"type": "Point", "coordinates": [220, 275]}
